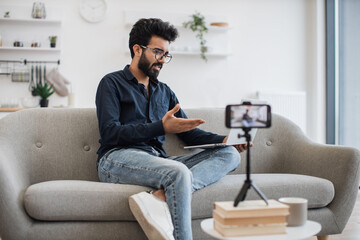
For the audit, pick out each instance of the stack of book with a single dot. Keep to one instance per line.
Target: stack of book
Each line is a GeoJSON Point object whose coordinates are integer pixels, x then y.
{"type": "Point", "coordinates": [250, 218]}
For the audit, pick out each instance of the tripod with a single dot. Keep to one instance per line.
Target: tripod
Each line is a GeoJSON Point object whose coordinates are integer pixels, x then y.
{"type": "Point", "coordinates": [248, 183]}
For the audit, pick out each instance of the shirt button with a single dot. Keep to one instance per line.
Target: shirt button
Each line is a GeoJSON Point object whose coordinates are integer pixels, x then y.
{"type": "Point", "coordinates": [86, 148]}
{"type": "Point", "coordinates": [269, 143]}
{"type": "Point", "coordinates": [38, 144]}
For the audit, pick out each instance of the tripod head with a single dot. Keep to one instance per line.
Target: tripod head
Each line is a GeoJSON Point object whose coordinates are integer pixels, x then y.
{"type": "Point", "coordinates": [247, 134]}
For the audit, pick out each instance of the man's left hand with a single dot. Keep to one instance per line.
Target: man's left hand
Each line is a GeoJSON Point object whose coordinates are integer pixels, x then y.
{"type": "Point", "coordinates": [240, 147]}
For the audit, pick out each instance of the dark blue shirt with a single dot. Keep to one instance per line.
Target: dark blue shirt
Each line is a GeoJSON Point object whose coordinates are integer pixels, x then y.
{"type": "Point", "coordinates": [129, 118]}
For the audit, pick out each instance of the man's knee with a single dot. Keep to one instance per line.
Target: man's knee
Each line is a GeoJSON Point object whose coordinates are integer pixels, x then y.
{"type": "Point", "coordinates": [232, 156]}
{"type": "Point", "coordinates": [179, 172]}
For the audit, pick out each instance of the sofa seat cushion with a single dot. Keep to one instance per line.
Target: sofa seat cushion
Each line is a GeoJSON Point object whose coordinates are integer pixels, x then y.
{"type": "Point", "coordinates": [95, 201]}
{"type": "Point", "coordinates": [79, 200]}
{"type": "Point", "coordinates": [319, 192]}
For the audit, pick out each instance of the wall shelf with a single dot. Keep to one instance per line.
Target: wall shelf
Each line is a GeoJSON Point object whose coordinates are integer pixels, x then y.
{"type": "Point", "coordinates": [187, 44]}
{"type": "Point", "coordinates": [23, 28]}
{"type": "Point", "coordinates": [210, 28]}
{"type": "Point", "coordinates": [30, 49]}
{"type": "Point", "coordinates": [10, 109]}
{"type": "Point", "coordinates": [29, 20]}
{"type": "Point", "coordinates": [195, 53]}
{"type": "Point", "coordinates": [210, 54]}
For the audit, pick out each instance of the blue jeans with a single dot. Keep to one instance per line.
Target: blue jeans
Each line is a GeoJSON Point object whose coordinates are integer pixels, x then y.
{"type": "Point", "coordinates": [178, 176]}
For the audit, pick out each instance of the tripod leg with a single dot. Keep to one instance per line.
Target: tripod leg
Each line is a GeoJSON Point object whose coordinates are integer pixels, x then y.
{"type": "Point", "coordinates": [260, 193]}
{"type": "Point", "coordinates": [242, 194]}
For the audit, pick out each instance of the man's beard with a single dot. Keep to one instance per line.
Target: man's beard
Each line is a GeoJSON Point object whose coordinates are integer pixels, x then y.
{"type": "Point", "coordinates": [144, 66]}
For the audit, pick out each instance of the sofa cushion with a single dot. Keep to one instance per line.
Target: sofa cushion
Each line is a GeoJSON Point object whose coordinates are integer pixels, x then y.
{"type": "Point", "coordinates": [319, 192]}
{"type": "Point", "coordinates": [79, 200]}
{"type": "Point", "coordinates": [94, 201]}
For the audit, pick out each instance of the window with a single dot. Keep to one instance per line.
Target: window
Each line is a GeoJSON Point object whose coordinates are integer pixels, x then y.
{"type": "Point", "coordinates": [343, 72]}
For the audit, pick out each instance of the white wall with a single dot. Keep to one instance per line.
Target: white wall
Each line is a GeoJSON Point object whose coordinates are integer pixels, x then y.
{"type": "Point", "coordinates": [274, 44]}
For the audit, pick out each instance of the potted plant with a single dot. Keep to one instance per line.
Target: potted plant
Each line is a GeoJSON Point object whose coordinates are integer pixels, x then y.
{"type": "Point", "coordinates": [44, 91]}
{"type": "Point", "coordinates": [197, 24]}
{"type": "Point", "coordinates": [53, 41]}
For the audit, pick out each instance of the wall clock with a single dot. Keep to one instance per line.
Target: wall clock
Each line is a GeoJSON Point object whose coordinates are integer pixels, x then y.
{"type": "Point", "coordinates": [93, 11]}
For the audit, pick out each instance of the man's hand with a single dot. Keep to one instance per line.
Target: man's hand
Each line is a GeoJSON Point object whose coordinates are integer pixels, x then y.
{"type": "Point", "coordinates": [240, 147]}
{"type": "Point", "coordinates": [173, 124]}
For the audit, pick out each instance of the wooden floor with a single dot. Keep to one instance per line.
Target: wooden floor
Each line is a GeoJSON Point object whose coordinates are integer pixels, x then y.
{"type": "Point", "coordinates": [352, 229]}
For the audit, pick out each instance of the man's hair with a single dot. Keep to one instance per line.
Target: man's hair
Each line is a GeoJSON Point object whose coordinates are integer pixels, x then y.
{"type": "Point", "coordinates": [144, 29]}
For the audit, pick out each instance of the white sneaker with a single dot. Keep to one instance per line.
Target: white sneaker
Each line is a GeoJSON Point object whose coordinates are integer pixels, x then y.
{"type": "Point", "coordinates": [153, 215]}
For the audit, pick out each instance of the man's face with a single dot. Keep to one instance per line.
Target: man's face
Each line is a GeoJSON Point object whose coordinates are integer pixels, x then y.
{"type": "Point", "coordinates": [148, 64]}
{"type": "Point", "coordinates": [150, 69]}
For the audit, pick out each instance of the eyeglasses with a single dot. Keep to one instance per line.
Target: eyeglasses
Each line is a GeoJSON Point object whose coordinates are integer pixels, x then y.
{"type": "Point", "coordinates": [159, 54]}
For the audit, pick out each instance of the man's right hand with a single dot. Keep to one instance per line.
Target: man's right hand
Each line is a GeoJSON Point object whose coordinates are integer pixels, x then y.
{"type": "Point", "coordinates": [173, 124]}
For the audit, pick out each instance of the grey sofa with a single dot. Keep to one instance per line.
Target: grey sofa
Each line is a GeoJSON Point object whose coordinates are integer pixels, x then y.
{"type": "Point", "coordinates": [49, 188]}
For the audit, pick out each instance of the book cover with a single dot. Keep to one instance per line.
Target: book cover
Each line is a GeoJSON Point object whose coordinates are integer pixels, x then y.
{"type": "Point", "coordinates": [248, 220]}
{"type": "Point", "coordinates": [251, 208]}
{"type": "Point", "coordinates": [250, 230]}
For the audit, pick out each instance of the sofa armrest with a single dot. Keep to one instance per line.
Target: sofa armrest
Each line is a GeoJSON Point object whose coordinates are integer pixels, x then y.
{"type": "Point", "coordinates": [338, 164]}
{"type": "Point", "coordinates": [14, 180]}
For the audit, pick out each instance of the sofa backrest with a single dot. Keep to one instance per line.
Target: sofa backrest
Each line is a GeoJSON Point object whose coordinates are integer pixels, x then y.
{"type": "Point", "coordinates": [56, 144]}
{"type": "Point", "coordinates": [271, 145]}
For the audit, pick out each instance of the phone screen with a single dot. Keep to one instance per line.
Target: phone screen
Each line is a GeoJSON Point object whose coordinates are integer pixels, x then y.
{"type": "Point", "coordinates": [248, 116]}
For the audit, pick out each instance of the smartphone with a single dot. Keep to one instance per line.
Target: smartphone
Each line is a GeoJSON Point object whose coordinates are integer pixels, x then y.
{"type": "Point", "coordinates": [248, 116]}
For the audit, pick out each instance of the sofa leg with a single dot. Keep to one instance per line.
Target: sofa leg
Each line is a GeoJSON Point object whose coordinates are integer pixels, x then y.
{"type": "Point", "coordinates": [325, 237]}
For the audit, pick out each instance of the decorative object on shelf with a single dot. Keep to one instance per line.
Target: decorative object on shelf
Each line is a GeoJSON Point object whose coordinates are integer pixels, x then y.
{"type": "Point", "coordinates": [52, 41]}
{"type": "Point", "coordinates": [219, 24]}
{"type": "Point", "coordinates": [7, 14]}
{"type": "Point", "coordinates": [20, 75]}
{"type": "Point", "coordinates": [0, 41]}
{"type": "Point", "coordinates": [93, 11]}
{"type": "Point", "coordinates": [44, 91]}
{"type": "Point", "coordinates": [9, 102]}
{"type": "Point", "coordinates": [36, 44]}
{"type": "Point", "coordinates": [71, 99]}
{"type": "Point", "coordinates": [197, 25]}
{"type": "Point", "coordinates": [38, 10]}
{"type": "Point", "coordinates": [18, 44]}
{"type": "Point", "coordinates": [29, 102]}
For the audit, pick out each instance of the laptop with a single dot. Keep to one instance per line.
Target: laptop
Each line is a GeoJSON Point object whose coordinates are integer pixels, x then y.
{"type": "Point", "coordinates": [234, 133]}
{"type": "Point", "coordinates": [233, 139]}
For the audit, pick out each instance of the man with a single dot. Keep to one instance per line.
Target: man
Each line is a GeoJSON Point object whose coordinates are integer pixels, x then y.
{"type": "Point", "coordinates": [134, 111]}
{"type": "Point", "coordinates": [247, 121]}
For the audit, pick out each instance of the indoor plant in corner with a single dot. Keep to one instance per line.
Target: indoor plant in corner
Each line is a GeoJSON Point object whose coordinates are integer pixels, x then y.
{"type": "Point", "coordinates": [197, 24]}
{"type": "Point", "coordinates": [44, 91]}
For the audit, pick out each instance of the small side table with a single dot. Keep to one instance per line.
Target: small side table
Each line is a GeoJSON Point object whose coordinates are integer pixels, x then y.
{"type": "Point", "coordinates": [292, 233]}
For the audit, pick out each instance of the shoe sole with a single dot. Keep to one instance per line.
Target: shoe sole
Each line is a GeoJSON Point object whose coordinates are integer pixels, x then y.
{"type": "Point", "coordinates": [150, 228]}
